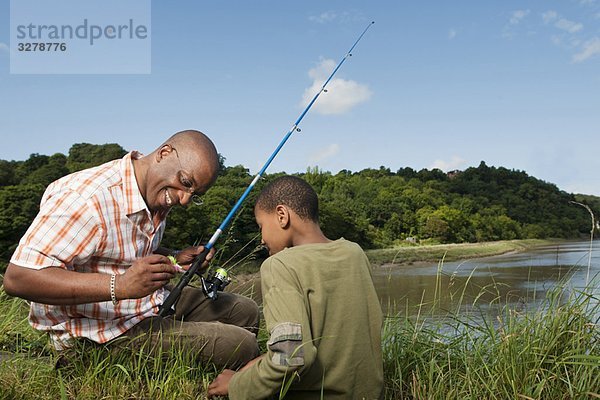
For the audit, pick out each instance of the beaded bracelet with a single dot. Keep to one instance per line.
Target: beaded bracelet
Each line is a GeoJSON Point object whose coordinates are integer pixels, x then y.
{"type": "Point", "coordinates": [113, 295]}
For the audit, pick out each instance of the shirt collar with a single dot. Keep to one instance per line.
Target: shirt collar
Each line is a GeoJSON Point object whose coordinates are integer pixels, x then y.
{"type": "Point", "coordinates": [133, 200]}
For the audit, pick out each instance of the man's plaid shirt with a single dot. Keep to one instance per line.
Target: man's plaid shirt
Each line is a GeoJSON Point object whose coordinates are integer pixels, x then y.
{"type": "Point", "coordinates": [92, 221]}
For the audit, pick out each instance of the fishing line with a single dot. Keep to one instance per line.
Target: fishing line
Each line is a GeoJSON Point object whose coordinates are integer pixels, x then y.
{"type": "Point", "coordinates": [212, 285]}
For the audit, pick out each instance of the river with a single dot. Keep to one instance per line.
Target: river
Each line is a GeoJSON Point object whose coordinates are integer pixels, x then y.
{"type": "Point", "coordinates": [520, 280]}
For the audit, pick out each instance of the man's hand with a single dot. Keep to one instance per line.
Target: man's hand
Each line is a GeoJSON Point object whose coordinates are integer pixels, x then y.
{"type": "Point", "coordinates": [186, 256]}
{"type": "Point", "coordinates": [145, 276]}
{"type": "Point", "coordinates": [220, 386]}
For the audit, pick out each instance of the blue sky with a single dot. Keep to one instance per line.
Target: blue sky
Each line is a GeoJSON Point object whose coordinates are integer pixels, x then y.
{"type": "Point", "coordinates": [432, 84]}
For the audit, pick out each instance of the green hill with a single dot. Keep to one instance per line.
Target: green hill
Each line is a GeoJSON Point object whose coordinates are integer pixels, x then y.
{"type": "Point", "coordinates": [374, 207]}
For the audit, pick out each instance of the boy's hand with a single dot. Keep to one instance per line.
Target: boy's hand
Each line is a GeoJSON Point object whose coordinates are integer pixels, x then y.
{"type": "Point", "coordinates": [220, 386]}
{"type": "Point", "coordinates": [250, 363]}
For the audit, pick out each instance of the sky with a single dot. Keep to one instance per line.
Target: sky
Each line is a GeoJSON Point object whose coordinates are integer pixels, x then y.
{"type": "Point", "coordinates": [434, 84]}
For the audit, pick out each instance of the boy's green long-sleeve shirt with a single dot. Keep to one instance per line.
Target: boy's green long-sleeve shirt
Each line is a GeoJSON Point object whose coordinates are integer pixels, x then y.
{"type": "Point", "coordinates": [324, 321]}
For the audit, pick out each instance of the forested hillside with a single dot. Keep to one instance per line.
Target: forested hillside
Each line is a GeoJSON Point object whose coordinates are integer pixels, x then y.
{"type": "Point", "coordinates": [374, 207]}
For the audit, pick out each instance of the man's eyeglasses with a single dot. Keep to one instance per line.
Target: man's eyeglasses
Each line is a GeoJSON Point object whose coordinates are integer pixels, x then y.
{"type": "Point", "coordinates": [187, 183]}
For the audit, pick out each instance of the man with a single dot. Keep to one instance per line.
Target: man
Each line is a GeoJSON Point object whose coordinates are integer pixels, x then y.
{"type": "Point", "coordinates": [91, 264]}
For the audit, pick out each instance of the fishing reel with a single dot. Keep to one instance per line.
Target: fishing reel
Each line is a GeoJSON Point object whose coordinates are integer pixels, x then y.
{"type": "Point", "coordinates": [215, 282]}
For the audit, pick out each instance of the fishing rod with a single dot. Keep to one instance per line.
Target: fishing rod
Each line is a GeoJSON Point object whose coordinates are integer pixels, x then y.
{"type": "Point", "coordinates": [217, 281]}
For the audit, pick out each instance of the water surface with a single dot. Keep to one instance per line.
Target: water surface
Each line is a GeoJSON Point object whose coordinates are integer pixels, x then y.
{"type": "Point", "coordinates": [520, 280]}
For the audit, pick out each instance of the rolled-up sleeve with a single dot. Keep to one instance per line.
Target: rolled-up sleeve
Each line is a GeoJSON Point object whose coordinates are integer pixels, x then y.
{"type": "Point", "coordinates": [290, 347]}
{"type": "Point", "coordinates": [65, 232]}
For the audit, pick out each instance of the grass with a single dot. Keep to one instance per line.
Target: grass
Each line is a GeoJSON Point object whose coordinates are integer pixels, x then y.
{"type": "Point", "coordinates": [27, 367]}
{"type": "Point", "coordinates": [551, 352]}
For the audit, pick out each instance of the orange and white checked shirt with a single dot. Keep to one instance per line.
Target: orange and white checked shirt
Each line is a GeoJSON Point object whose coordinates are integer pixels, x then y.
{"type": "Point", "coordinates": [97, 221]}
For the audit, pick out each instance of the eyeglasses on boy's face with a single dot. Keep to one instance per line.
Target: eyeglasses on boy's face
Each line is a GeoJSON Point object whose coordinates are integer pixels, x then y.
{"type": "Point", "coordinates": [186, 182]}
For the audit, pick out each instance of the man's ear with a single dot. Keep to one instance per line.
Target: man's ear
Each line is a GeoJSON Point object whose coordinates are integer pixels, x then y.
{"type": "Point", "coordinates": [163, 151]}
{"type": "Point", "coordinates": [283, 216]}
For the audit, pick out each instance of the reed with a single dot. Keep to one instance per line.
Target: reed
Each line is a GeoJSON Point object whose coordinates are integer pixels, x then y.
{"type": "Point", "coordinates": [552, 351]}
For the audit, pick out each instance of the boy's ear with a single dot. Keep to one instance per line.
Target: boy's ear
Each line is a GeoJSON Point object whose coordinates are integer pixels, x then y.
{"type": "Point", "coordinates": [283, 216]}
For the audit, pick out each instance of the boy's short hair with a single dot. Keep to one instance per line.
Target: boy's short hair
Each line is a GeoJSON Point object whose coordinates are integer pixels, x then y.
{"type": "Point", "coordinates": [292, 192]}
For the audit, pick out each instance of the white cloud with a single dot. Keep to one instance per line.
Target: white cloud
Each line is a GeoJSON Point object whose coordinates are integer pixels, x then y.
{"type": "Point", "coordinates": [342, 17]}
{"type": "Point", "coordinates": [325, 153]}
{"type": "Point", "coordinates": [569, 26]}
{"type": "Point", "coordinates": [569, 37]}
{"type": "Point", "coordinates": [455, 163]}
{"type": "Point", "coordinates": [589, 49]}
{"type": "Point", "coordinates": [4, 48]}
{"type": "Point", "coordinates": [517, 16]}
{"type": "Point", "coordinates": [324, 17]}
{"type": "Point", "coordinates": [549, 16]}
{"type": "Point", "coordinates": [561, 23]}
{"type": "Point", "coordinates": [341, 94]}
{"type": "Point", "coordinates": [322, 71]}
{"type": "Point", "coordinates": [452, 34]}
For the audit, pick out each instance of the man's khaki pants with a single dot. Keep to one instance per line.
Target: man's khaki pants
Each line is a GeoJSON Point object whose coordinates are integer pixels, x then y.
{"type": "Point", "coordinates": [221, 332]}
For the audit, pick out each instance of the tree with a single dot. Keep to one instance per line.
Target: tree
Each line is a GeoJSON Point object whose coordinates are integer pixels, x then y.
{"type": "Point", "coordinates": [374, 207]}
{"type": "Point", "coordinates": [86, 155]}
{"type": "Point", "coordinates": [18, 206]}
{"type": "Point", "coordinates": [316, 178]}
{"type": "Point", "coordinates": [7, 173]}
{"type": "Point", "coordinates": [25, 168]}
{"type": "Point", "coordinates": [54, 168]}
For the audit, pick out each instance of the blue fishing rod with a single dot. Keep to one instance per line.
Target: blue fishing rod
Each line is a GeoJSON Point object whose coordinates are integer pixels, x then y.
{"type": "Point", "coordinates": [212, 284]}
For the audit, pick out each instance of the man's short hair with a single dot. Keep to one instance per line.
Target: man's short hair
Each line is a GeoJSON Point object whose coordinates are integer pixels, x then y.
{"type": "Point", "coordinates": [292, 192]}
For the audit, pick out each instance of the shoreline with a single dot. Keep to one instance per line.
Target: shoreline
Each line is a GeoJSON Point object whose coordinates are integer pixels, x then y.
{"type": "Point", "coordinates": [426, 254]}
{"type": "Point", "coordinates": [409, 255]}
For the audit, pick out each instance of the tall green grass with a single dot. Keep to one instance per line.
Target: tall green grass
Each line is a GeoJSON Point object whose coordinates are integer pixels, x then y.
{"type": "Point", "coordinates": [96, 372]}
{"type": "Point", "coordinates": [90, 371]}
{"type": "Point", "coordinates": [550, 352]}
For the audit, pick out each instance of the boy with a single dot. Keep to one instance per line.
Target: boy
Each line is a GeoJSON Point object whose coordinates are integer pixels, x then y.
{"type": "Point", "coordinates": [320, 308]}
